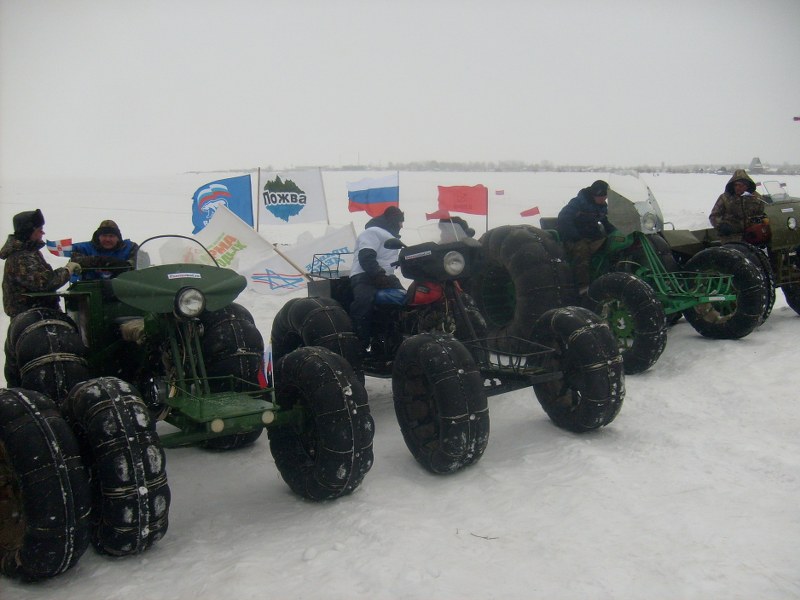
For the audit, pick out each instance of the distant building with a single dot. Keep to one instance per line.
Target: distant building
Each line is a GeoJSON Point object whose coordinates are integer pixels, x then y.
{"type": "Point", "coordinates": [756, 166]}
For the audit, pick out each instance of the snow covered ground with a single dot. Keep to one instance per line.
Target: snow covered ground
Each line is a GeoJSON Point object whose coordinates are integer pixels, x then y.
{"type": "Point", "coordinates": [691, 493]}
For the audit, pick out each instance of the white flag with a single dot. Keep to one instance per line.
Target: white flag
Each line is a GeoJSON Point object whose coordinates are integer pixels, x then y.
{"type": "Point", "coordinates": [232, 242]}
{"type": "Point", "coordinates": [326, 255]}
{"type": "Point", "coordinates": [292, 197]}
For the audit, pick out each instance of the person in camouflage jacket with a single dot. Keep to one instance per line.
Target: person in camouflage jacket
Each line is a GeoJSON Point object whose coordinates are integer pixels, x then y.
{"type": "Point", "coordinates": [734, 210]}
{"type": "Point", "coordinates": [26, 270]}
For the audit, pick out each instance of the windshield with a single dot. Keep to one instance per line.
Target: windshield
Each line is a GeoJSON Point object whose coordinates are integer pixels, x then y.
{"type": "Point", "coordinates": [632, 207]}
{"type": "Point", "coordinates": [440, 233]}
{"type": "Point", "coordinates": [774, 191]}
{"type": "Point", "coordinates": [172, 249]}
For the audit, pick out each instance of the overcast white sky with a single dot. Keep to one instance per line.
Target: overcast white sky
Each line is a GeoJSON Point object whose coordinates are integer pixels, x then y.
{"type": "Point", "coordinates": [117, 87]}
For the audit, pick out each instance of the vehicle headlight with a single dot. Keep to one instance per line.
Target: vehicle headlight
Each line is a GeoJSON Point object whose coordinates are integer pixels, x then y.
{"type": "Point", "coordinates": [649, 222]}
{"type": "Point", "coordinates": [190, 303]}
{"type": "Point", "coordinates": [454, 263]}
{"type": "Point", "coordinates": [791, 222]}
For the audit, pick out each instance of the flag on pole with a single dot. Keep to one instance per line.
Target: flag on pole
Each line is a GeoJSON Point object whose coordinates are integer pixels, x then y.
{"type": "Point", "coordinates": [60, 247]}
{"type": "Point", "coordinates": [531, 212]}
{"type": "Point", "coordinates": [292, 197]}
{"type": "Point", "coordinates": [439, 214]}
{"type": "Point", "coordinates": [472, 200]}
{"type": "Point", "coordinates": [235, 193]}
{"type": "Point", "coordinates": [374, 195]}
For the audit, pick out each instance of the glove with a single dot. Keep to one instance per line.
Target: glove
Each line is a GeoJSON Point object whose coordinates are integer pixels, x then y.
{"type": "Point", "coordinates": [73, 268]}
{"type": "Point", "coordinates": [725, 229]}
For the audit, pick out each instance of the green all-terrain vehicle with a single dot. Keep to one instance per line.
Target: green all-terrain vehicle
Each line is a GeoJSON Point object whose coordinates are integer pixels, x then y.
{"type": "Point", "coordinates": [80, 458]}
{"type": "Point", "coordinates": [770, 241]}
{"type": "Point", "coordinates": [637, 287]}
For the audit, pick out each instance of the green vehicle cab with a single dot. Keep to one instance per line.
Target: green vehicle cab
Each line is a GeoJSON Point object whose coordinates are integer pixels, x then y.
{"type": "Point", "coordinates": [155, 357]}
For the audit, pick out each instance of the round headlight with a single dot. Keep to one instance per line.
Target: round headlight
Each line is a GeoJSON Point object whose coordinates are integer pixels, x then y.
{"type": "Point", "coordinates": [649, 222]}
{"type": "Point", "coordinates": [454, 263]}
{"type": "Point", "coordinates": [791, 222]}
{"type": "Point", "coordinates": [190, 303]}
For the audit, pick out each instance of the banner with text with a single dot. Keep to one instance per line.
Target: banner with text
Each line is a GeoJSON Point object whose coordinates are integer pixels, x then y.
{"type": "Point", "coordinates": [291, 197]}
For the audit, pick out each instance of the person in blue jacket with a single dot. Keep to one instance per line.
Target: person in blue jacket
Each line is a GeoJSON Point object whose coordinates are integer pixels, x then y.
{"type": "Point", "coordinates": [583, 226]}
{"type": "Point", "coordinates": [106, 249]}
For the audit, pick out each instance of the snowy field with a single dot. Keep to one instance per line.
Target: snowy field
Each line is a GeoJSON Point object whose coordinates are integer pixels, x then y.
{"type": "Point", "coordinates": [691, 493]}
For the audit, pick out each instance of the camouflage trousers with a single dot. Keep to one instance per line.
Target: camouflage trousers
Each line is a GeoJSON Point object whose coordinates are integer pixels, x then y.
{"type": "Point", "coordinates": [580, 254]}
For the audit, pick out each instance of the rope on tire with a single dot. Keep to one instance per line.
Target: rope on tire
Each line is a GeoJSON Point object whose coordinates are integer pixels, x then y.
{"type": "Point", "coordinates": [52, 358]}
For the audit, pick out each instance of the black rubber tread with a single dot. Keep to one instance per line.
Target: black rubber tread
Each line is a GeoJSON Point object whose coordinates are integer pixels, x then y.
{"type": "Point", "coordinates": [45, 498]}
{"type": "Point", "coordinates": [634, 315]}
{"type": "Point", "coordinates": [49, 352]}
{"type": "Point", "coordinates": [762, 261]}
{"type": "Point", "coordinates": [525, 274]}
{"type": "Point", "coordinates": [315, 322]}
{"type": "Point", "coordinates": [592, 389]}
{"type": "Point", "coordinates": [440, 402]}
{"type": "Point", "coordinates": [732, 320]}
{"type": "Point", "coordinates": [131, 495]}
{"type": "Point", "coordinates": [332, 453]}
{"type": "Point", "coordinates": [232, 345]}
{"type": "Point", "coordinates": [791, 292]}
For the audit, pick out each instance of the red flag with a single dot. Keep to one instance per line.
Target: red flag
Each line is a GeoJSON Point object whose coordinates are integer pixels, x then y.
{"type": "Point", "coordinates": [473, 200]}
{"type": "Point", "coordinates": [439, 214]}
{"type": "Point", "coordinates": [531, 212]}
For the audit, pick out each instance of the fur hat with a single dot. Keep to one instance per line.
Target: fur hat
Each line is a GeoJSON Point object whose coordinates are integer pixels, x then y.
{"type": "Point", "coordinates": [599, 188]}
{"type": "Point", "coordinates": [107, 226]}
{"type": "Point", "coordinates": [26, 222]}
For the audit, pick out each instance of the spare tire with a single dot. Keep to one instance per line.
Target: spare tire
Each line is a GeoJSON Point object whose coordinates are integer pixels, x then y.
{"type": "Point", "coordinates": [634, 315]}
{"type": "Point", "coordinates": [44, 487]}
{"type": "Point", "coordinates": [737, 318]}
{"type": "Point", "coordinates": [524, 275]}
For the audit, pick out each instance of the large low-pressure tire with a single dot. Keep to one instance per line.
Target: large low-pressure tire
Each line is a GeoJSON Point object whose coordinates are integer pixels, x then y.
{"type": "Point", "coordinates": [525, 274]}
{"type": "Point", "coordinates": [315, 322]}
{"type": "Point", "coordinates": [328, 455]}
{"type": "Point", "coordinates": [440, 402]}
{"type": "Point", "coordinates": [131, 496]}
{"type": "Point", "coordinates": [737, 318]}
{"type": "Point", "coordinates": [48, 352]}
{"type": "Point", "coordinates": [45, 499]}
{"type": "Point", "coordinates": [590, 392]}
{"type": "Point", "coordinates": [761, 260]}
{"type": "Point", "coordinates": [635, 316]}
{"type": "Point", "coordinates": [232, 346]}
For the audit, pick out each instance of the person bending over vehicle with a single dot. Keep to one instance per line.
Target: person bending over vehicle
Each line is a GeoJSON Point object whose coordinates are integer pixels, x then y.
{"type": "Point", "coordinates": [583, 226]}
{"type": "Point", "coordinates": [739, 207]}
{"type": "Point", "coordinates": [106, 249]}
{"type": "Point", "coordinates": [372, 268]}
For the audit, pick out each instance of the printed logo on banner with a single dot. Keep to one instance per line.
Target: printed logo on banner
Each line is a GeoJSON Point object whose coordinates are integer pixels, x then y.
{"type": "Point", "coordinates": [283, 198]}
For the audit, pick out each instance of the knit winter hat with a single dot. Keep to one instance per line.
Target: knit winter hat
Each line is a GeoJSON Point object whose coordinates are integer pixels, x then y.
{"type": "Point", "coordinates": [108, 226]}
{"type": "Point", "coordinates": [26, 222]}
{"type": "Point", "coordinates": [599, 188]}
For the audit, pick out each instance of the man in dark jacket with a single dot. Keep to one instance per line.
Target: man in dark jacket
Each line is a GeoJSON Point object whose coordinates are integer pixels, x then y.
{"type": "Point", "coordinates": [583, 226]}
{"type": "Point", "coordinates": [26, 271]}
{"type": "Point", "coordinates": [735, 209]}
{"type": "Point", "coordinates": [372, 268]}
{"type": "Point", "coordinates": [106, 249]}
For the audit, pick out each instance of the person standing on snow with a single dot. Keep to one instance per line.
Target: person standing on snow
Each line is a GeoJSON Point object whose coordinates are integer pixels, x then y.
{"type": "Point", "coordinates": [106, 249]}
{"type": "Point", "coordinates": [583, 226]}
{"type": "Point", "coordinates": [735, 209]}
{"type": "Point", "coordinates": [26, 271]}
{"type": "Point", "coordinates": [372, 268]}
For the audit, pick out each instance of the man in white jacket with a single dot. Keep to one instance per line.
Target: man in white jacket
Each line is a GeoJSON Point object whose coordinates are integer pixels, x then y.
{"type": "Point", "coordinates": [372, 268]}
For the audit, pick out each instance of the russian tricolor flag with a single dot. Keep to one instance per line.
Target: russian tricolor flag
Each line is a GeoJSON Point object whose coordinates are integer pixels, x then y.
{"type": "Point", "coordinates": [374, 195]}
{"type": "Point", "coordinates": [60, 247]}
